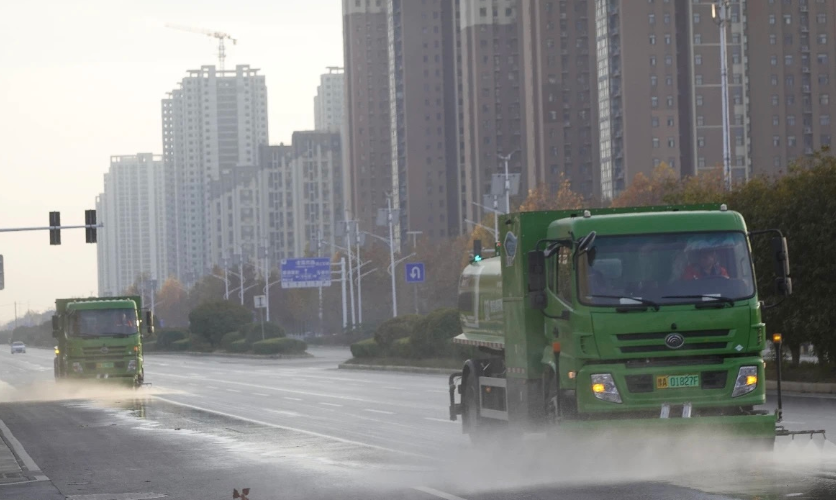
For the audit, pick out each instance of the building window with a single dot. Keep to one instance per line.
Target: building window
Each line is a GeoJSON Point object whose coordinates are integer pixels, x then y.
{"type": "Point", "coordinates": [822, 38]}
{"type": "Point", "coordinates": [787, 19]}
{"type": "Point", "coordinates": [670, 121]}
{"type": "Point", "coordinates": [655, 142]}
{"type": "Point", "coordinates": [824, 120]}
{"type": "Point", "coordinates": [776, 161]}
{"type": "Point", "coordinates": [700, 121]}
{"type": "Point", "coordinates": [824, 79]}
{"type": "Point", "coordinates": [671, 142]}
{"type": "Point", "coordinates": [670, 101]}
{"type": "Point", "coordinates": [667, 38]}
{"type": "Point", "coordinates": [821, 18]}
{"type": "Point", "coordinates": [775, 120]}
{"type": "Point", "coordinates": [698, 59]}
{"type": "Point", "coordinates": [654, 121]}
{"type": "Point", "coordinates": [699, 100]}
{"type": "Point", "coordinates": [824, 99]}
{"type": "Point", "coordinates": [774, 80]}
{"type": "Point", "coordinates": [701, 162]}
{"type": "Point", "coordinates": [791, 141]}
{"type": "Point", "coordinates": [773, 60]}
{"type": "Point", "coordinates": [791, 120]}
{"type": "Point", "coordinates": [697, 39]}
{"type": "Point", "coordinates": [776, 140]}
{"type": "Point", "coordinates": [735, 38]}
{"type": "Point", "coordinates": [698, 79]}
{"type": "Point", "coordinates": [652, 39]}
{"type": "Point", "coordinates": [653, 60]}
{"type": "Point", "coordinates": [772, 19]}
{"type": "Point", "coordinates": [651, 18]}
{"type": "Point", "coordinates": [822, 58]}
{"type": "Point", "coordinates": [653, 80]}
{"type": "Point", "coordinates": [696, 17]}
{"type": "Point", "coordinates": [701, 142]}
{"type": "Point", "coordinates": [774, 100]}
{"type": "Point", "coordinates": [654, 102]}
{"type": "Point", "coordinates": [668, 60]}
{"type": "Point", "coordinates": [788, 60]}
{"type": "Point", "coordinates": [668, 80]}
{"type": "Point", "coordinates": [772, 39]}
{"type": "Point", "coordinates": [667, 18]}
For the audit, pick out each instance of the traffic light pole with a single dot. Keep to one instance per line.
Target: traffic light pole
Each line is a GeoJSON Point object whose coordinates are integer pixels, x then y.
{"type": "Point", "coordinates": [47, 228]}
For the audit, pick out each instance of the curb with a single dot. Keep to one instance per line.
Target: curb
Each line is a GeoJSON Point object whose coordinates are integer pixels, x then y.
{"type": "Point", "coordinates": [229, 355]}
{"type": "Point", "coordinates": [402, 369]}
{"type": "Point", "coordinates": [802, 387]}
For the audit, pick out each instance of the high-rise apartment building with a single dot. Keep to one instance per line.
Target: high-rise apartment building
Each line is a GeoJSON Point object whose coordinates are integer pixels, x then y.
{"type": "Point", "coordinates": [791, 60]}
{"type": "Point", "coordinates": [131, 245]}
{"type": "Point", "coordinates": [422, 90]}
{"type": "Point", "coordinates": [235, 219]}
{"type": "Point", "coordinates": [213, 123]}
{"type": "Point", "coordinates": [367, 157]}
{"type": "Point", "coordinates": [328, 102]}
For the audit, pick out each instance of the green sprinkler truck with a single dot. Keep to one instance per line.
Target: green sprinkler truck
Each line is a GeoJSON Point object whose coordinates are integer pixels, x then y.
{"type": "Point", "coordinates": [100, 338]}
{"type": "Point", "coordinates": [645, 317]}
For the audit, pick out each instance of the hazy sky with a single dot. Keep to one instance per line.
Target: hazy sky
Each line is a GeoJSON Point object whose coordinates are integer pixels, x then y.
{"type": "Point", "coordinates": [81, 80]}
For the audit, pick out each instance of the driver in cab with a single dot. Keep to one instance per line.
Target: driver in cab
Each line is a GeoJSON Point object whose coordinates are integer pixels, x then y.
{"type": "Point", "coordinates": [706, 266]}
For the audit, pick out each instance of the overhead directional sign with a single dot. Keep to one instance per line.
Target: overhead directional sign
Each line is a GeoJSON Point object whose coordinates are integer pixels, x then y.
{"type": "Point", "coordinates": [414, 272]}
{"type": "Point", "coordinates": [306, 273]}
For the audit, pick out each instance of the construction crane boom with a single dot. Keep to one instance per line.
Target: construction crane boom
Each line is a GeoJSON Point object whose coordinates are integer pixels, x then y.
{"type": "Point", "coordinates": [220, 36]}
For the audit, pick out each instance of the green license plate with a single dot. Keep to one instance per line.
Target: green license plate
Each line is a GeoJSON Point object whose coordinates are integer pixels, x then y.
{"type": "Point", "coordinates": [677, 381]}
{"type": "Point", "coordinates": [105, 365]}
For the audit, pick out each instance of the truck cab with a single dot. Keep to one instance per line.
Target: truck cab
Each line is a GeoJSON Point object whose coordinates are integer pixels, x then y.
{"type": "Point", "coordinates": [100, 338]}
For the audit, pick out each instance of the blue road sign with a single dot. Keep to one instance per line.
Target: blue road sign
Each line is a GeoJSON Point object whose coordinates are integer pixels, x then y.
{"type": "Point", "coordinates": [306, 273]}
{"type": "Point", "coordinates": [415, 272]}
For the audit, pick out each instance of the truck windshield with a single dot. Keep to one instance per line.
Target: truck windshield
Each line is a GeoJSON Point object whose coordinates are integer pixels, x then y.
{"type": "Point", "coordinates": [103, 323]}
{"type": "Point", "coordinates": [666, 269]}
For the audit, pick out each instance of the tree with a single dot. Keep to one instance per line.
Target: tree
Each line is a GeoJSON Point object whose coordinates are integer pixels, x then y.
{"type": "Point", "coordinates": [707, 186]}
{"type": "Point", "coordinates": [644, 191]}
{"type": "Point", "coordinates": [543, 198]}
{"type": "Point", "coordinates": [211, 320]}
{"type": "Point", "coordinates": [172, 304]}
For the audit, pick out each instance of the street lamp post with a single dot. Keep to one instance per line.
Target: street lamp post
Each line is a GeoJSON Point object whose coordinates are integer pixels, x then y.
{"type": "Point", "coordinates": [348, 224]}
{"type": "Point", "coordinates": [496, 214]}
{"type": "Point", "coordinates": [506, 159]}
{"type": "Point", "coordinates": [392, 256]}
{"type": "Point", "coordinates": [721, 18]}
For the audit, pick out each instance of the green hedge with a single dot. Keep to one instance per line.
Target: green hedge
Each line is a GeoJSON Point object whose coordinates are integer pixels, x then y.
{"type": "Point", "coordinates": [394, 329]}
{"type": "Point", "coordinates": [252, 332]}
{"type": "Point", "coordinates": [401, 348]}
{"type": "Point", "coordinates": [181, 345]}
{"type": "Point", "coordinates": [366, 349]}
{"type": "Point", "coordinates": [239, 346]}
{"type": "Point", "coordinates": [431, 335]}
{"type": "Point", "coordinates": [229, 338]}
{"type": "Point", "coordinates": [279, 346]}
{"type": "Point", "coordinates": [166, 339]}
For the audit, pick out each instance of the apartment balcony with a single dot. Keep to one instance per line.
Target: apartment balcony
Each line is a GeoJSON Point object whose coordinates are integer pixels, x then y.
{"type": "Point", "coordinates": [806, 70]}
{"type": "Point", "coordinates": [805, 49]}
{"type": "Point", "coordinates": [808, 130]}
{"type": "Point", "coordinates": [805, 89]}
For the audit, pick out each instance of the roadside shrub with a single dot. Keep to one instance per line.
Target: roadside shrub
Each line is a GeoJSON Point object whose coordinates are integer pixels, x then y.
{"type": "Point", "coordinates": [239, 346]}
{"type": "Point", "coordinates": [180, 345]}
{"type": "Point", "coordinates": [229, 338]}
{"type": "Point", "coordinates": [198, 343]}
{"type": "Point", "coordinates": [165, 339]}
{"type": "Point", "coordinates": [252, 332]}
{"type": "Point", "coordinates": [401, 348]}
{"type": "Point", "coordinates": [212, 320]}
{"type": "Point", "coordinates": [394, 329]}
{"type": "Point", "coordinates": [431, 336]}
{"type": "Point", "coordinates": [366, 349]}
{"type": "Point", "coordinates": [279, 346]}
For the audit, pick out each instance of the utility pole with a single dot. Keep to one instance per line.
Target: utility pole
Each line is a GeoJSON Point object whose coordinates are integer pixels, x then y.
{"type": "Point", "coordinates": [392, 255]}
{"type": "Point", "coordinates": [359, 276]}
{"type": "Point", "coordinates": [241, 276]}
{"type": "Point", "coordinates": [414, 235]}
{"type": "Point", "coordinates": [348, 224]}
{"type": "Point", "coordinates": [345, 311]}
{"type": "Point", "coordinates": [721, 19]}
{"type": "Point", "coordinates": [225, 261]}
{"type": "Point", "coordinates": [506, 159]}
{"type": "Point", "coordinates": [318, 254]}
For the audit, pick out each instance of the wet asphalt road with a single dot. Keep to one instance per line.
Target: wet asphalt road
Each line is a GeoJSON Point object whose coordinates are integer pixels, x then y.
{"type": "Point", "coordinates": [304, 429]}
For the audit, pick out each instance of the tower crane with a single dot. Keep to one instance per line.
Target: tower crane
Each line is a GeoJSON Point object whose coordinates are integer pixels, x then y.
{"type": "Point", "coordinates": [214, 34]}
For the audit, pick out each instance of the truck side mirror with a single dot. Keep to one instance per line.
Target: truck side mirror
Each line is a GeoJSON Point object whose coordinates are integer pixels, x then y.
{"type": "Point", "coordinates": [537, 280]}
{"type": "Point", "coordinates": [56, 326]}
{"type": "Point", "coordinates": [149, 322]}
{"type": "Point", "coordinates": [781, 256]}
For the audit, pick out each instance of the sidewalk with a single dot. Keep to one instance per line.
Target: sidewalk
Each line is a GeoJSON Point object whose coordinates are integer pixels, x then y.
{"type": "Point", "coordinates": [16, 466]}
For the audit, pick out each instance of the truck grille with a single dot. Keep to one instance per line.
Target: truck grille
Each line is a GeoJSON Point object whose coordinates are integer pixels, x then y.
{"type": "Point", "coordinates": [639, 383]}
{"type": "Point", "coordinates": [96, 352]}
{"type": "Point", "coordinates": [657, 339]}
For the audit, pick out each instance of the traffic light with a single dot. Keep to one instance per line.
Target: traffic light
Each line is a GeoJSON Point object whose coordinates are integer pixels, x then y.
{"type": "Point", "coordinates": [477, 250]}
{"type": "Point", "coordinates": [54, 234]}
{"type": "Point", "coordinates": [90, 221]}
{"type": "Point", "coordinates": [2, 278]}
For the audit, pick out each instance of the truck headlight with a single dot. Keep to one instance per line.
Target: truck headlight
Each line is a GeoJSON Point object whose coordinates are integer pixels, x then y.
{"type": "Point", "coordinates": [747, 381]}
{"type": "Point", "coordinates": [603, 387]}
{"type": "Point", "coordinates": [77, 367]}
{"type": "Point", "coordinates": [132, 365]}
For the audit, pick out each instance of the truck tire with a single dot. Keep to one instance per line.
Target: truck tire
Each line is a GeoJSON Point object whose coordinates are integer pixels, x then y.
{"type": "Point", "coordinates": [473, 424]}
{"type": "Point", "coordinates": [139, 380]}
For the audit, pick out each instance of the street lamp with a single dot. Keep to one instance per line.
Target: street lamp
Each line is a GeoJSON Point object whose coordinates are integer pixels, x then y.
{"type": "Point", "coordinates": [506, 159]}
{"type": "Point", "coordinates": [494, 232]}
{"type": "Point", "coordinates": [720, 12]}
{"type": "Point", "coordinates": [496, 214]}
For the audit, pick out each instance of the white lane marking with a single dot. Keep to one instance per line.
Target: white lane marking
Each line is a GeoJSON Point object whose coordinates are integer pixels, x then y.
{"type": "Point", "coordinates": [380, 411]}
{"type": "Point", "coordinates": [161, 364]}
{"type": "Point", "coordinates": [261, 394]}
{"type": "Point", "coordinates": [293, 399]}
{"type": "Point", "coordinates": [211, 387]}
{"type": "Point", "coordinates": [286, 413]}
{"type": "Point", "coordinates": [393, 388]}
{"type": "Point", "coordinates": [19, 450]}
{"type": "Point", "coordinates": [439, 420]}
{"type": "Point", "coordinates": [232, 390]}
{"type": "Point", "coordinates": [436, 493]}
{"type": "Point", "coordinates": [288, 428]}
{"type": "Point", "coordinates": [117, 496]}
{"type": "Point", "coordinates": [795, 494]}
{"type": "Point", "coordinates": [331, 404]}
{"type": "Point", "coordinates": [192, 384]}
{"type": "Point", "coordinates": [439, 391]}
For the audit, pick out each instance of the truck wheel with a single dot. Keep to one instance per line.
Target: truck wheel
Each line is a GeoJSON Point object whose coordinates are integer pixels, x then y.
{"type": "Point", "coordinates": [472, 423]}
{"type": "Point", "coordinates": [138, 381]}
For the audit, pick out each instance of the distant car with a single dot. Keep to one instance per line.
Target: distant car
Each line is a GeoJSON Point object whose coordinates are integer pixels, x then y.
{"type": "Point", "coordinates": [18, 347]}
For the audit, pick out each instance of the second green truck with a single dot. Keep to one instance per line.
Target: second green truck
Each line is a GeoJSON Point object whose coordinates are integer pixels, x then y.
{"type": "Point", "coordinates": [100, 338]}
